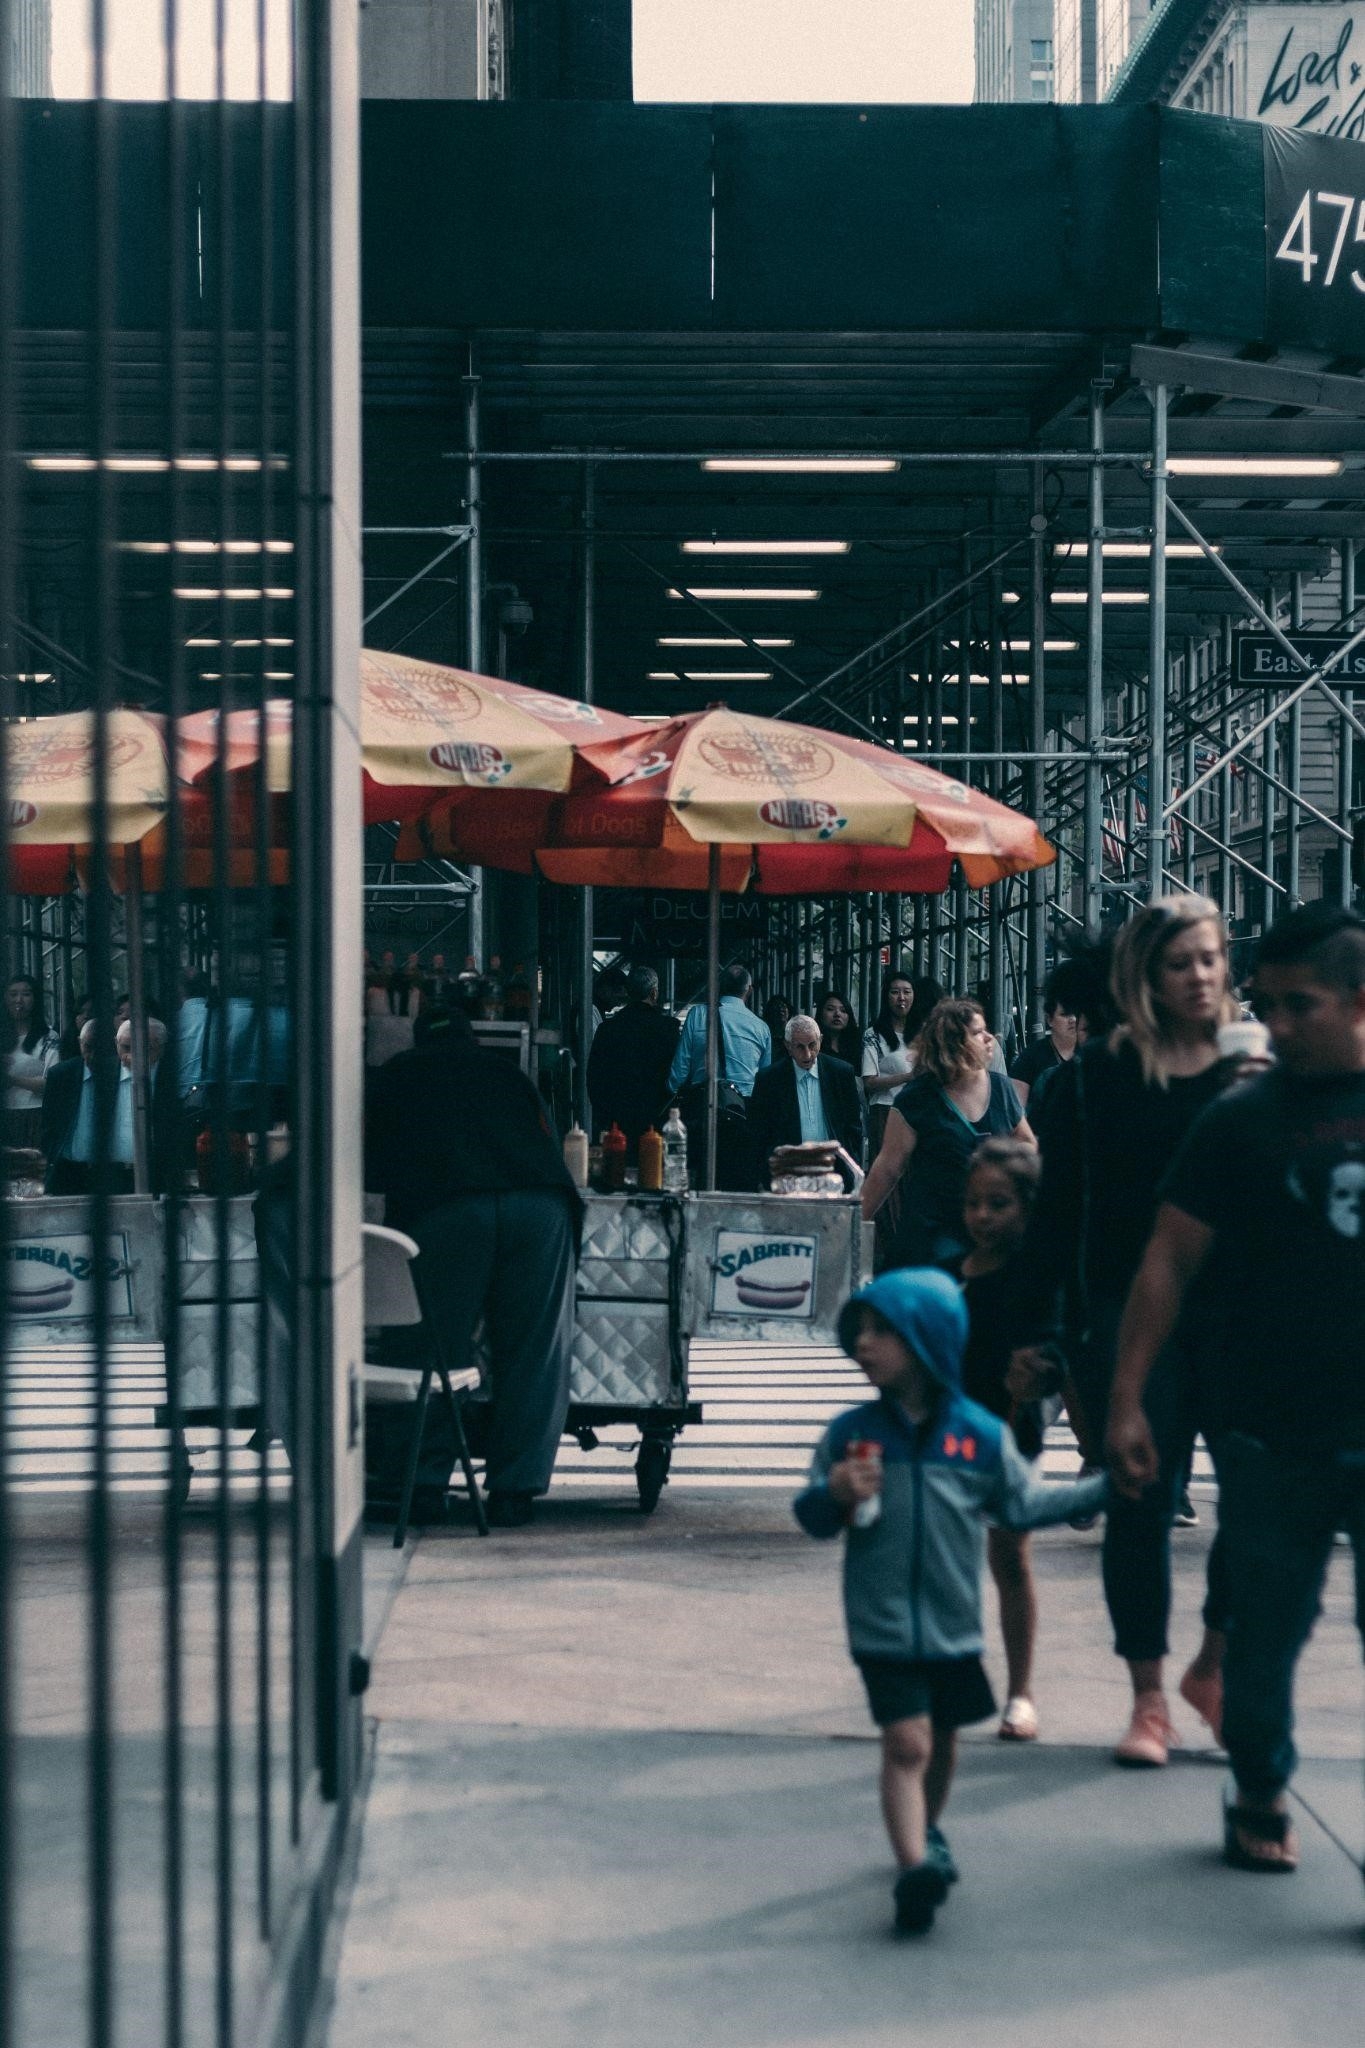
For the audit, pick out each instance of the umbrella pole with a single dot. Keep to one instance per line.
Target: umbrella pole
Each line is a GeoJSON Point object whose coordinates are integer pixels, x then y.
{"type": "Point", "coordinates": [712, 1010]}
{"type": "Point", "coordinates": [132, 924]}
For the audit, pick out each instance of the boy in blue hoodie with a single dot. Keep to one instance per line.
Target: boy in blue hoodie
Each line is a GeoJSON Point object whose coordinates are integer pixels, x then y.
{"type": "Point", "coordinates": [939, 1466]}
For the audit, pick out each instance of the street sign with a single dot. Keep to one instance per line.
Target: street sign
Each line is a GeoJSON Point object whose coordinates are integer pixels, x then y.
{"type": "Point", "coordinates": [1260, 657]}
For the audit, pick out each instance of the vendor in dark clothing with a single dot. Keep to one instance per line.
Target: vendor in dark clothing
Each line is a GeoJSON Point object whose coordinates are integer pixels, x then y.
{"type": "Point", "coordinates": [628, 1065]}
{"type": "Point", "coordinates": [458, 1142]}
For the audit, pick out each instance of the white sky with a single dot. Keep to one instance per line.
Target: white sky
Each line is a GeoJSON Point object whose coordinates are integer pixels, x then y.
{"type": "Point", "coordinates": [859, 50]}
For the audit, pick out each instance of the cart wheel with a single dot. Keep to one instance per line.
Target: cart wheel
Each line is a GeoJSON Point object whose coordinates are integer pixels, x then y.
{"type": "Point", "coordinates": [651, 1471]}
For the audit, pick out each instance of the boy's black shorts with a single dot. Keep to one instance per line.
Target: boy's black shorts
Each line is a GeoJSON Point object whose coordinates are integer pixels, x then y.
{"type": "Point", "coordinates": [952, 1691]}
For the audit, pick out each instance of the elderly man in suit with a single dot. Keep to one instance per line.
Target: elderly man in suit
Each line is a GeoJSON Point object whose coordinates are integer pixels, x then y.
{"type": "Point", "coordinates": [69, 1137]}
{"type": "Point", "coordinates": [810, 1097]}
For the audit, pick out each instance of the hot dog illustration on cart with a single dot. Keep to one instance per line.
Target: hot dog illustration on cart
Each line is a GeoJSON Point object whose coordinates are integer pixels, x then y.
{"type": "Point", "coordinates": [758, 1274]}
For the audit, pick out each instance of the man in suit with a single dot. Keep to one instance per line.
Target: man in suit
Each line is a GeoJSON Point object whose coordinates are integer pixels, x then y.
{"type": "Point", "coordinates": [808, 1098]}
{"type": "Point", "coordinates": [68, 1122]}
{"type": "Point", "coordinates": [632, 1050]}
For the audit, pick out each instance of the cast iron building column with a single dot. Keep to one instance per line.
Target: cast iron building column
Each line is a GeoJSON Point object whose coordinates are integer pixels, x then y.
{"type": "Point", "coordinates": [327, 848]}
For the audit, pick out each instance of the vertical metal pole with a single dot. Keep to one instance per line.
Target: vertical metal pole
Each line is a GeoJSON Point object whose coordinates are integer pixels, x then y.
{"type": "Point", "coordinates": [1158, 682]}
{"type": "Point", "coordinates": [326, 892]}
{"type": "Point", "coordinates": [1293, 775]}
{"type": "Point", "coordinates": [1037, 881]}
{"type": "Point", "coordinates": [712, 1009]}
{"type": "Point", "coordinates": [137, 1002]}
{"type": "Point", "coordinates": [10, 473]}
{"type": "Point", "coordinates": [1345, 736]}
{"type": "Point", "coordinates": [1092, 831]}
{"type": "Point", "coordinates": [961, 961]}
{"type": "Point", "coordinates": [588, 686]}
{"type": "Point", "coordinates": [474, 617]}
{"type": "Point", "coordinates": [934, 906]}
{"type": "Point", "coordinates": [995, 898]}
{"type": "Point", "coordinates": [1269, 752]}
{"type": "Point", "coordinates": [1226, 871]}
{"type": "Point", "coordinates": [1192, 667]}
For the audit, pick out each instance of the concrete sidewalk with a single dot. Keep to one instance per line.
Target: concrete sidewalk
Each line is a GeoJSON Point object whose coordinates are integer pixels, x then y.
{"type": "Point", "coordinates": [624, 1791]}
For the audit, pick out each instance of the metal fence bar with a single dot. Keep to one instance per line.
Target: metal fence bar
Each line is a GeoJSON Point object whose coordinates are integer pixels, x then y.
{"type": "Point", "coordinates": [9, 518]}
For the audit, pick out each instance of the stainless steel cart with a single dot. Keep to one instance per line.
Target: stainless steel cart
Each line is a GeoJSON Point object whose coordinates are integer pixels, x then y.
{"type": "Point", "coordinates": [631, 1339]}
{"type": "Point", "coordinates": [773, 1268]}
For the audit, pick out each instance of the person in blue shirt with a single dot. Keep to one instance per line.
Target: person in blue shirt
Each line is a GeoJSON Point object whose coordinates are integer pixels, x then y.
{"type": "Point", "coordinates": [745, 1049]}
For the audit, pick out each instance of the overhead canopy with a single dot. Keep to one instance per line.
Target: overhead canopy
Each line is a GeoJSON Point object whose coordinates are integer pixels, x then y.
{"type": "Point", "coordinates": [656, 282]}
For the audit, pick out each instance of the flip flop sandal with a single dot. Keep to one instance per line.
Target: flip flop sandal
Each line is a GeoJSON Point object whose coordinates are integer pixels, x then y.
{"type": "Point", "coordinates": [919, 1893]}
{"type": "Point", "coordinates": [1261, 1827]}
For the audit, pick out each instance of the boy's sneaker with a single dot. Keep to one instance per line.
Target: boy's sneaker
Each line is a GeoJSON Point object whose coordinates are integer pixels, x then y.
{"type": "Point", "coordinates": [919, 1893]}
{"type": "Point", "coordinates": [1019, 1722]}
{"type": "Point", "coordinates": [939, 1852]}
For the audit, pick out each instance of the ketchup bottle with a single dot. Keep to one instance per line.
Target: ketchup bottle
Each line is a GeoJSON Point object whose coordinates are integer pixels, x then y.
{"type": "Point", "coordinates": [614, 1149]}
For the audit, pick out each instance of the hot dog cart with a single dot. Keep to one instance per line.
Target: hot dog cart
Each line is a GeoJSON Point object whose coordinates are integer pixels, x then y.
{"type": "Point", "coordinates": [658, 1270]}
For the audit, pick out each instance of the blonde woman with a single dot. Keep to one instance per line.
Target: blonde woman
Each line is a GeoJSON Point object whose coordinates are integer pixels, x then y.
{"type": "Point", "coordinates": [1115, 1118]}
{"type": "Point", "coordinates": [952, 1101]}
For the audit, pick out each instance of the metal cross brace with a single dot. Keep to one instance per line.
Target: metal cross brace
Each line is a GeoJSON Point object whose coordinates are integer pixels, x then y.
{"type": "Point", "coordinates": [1315, 678]}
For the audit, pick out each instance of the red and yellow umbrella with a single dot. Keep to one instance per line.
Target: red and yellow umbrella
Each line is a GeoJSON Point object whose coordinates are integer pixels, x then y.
{"type": "Point", "coordinates": [51, 782]}
{"type": "Point", "coordinates": [492, 755]}
{"type": "Point", "coordinates": [792, 809]}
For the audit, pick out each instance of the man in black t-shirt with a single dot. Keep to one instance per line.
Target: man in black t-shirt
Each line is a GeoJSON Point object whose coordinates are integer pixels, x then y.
{"type": "Point", "coordinates": [1270, 1184]}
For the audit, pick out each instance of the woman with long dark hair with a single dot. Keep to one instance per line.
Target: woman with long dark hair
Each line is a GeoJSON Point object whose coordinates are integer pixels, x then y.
{"type": "Point", "coordinates": [951, 1102]}
{"type": "Point", "coordinates": [1116, 1116]}
{"type": "Point", "coordinates": [842, 1040]}
{"type": "Point", "coordinates": [886, 1052]}
{"type": "Point", "coordinates": [30, 1048]}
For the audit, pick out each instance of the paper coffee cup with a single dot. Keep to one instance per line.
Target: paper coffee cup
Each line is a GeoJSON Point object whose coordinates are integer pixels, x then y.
{"type": "Point", "coordinates": [1247, 1039]}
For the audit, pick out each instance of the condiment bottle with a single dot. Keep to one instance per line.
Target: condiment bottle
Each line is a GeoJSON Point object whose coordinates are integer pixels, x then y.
{"type": "Point", "coordinates": [675, 1152]}
{"type": "Point", "coordinates": [576, 1155]}
{"type": "Point", "coordinates": [614, 1150]}
{"type": "Point", "coordinates": [651, 1156]}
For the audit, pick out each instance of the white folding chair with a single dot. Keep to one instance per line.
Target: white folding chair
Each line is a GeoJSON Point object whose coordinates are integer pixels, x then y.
{"type": "Point", "coordinates": [393, 1301]}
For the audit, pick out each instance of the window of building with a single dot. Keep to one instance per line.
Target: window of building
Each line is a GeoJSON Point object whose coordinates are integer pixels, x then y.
{"type": "Point", "coordinates": [1041, 52]}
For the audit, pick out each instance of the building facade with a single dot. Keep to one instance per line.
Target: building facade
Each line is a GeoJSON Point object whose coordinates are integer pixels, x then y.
{"type": "Point", "coordinates": [1014, 51]}
{"type": "Point", "coordinates": [1093, 41]}
{"type": "Point", "coordinates": [29, 56]}
{"type": "Point", "coordinates": [1292, 63]}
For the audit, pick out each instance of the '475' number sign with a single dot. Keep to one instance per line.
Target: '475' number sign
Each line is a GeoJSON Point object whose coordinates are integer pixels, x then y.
{"type": "Point", "coordinates": [1324, 225]}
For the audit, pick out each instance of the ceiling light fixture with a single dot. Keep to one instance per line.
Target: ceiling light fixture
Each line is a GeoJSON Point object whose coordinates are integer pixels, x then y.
{"type": "Point", "coordinates": [1254, 465]}
{"type": "Point", "coordinates": [710, 675]}
{"type": "Point", "coordinates": [1026, 646]}
{"type": "Point", "coordinates": [149, 465]}
{"type": "Point", "coordinates": [206, 596]}
{"type": "Point", "coordinates": [726, 594]}
{"type": "Point", "coordinates": [1131, 550]}
{"type": "Point", "coordinates": [765, 547]}
{"type": "Point", "coordinates": [1082, 597]}
{"type": "Point", "coordinates": [801, 465]}
{"type": "Point", "coordinates": [716, 640]}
